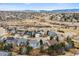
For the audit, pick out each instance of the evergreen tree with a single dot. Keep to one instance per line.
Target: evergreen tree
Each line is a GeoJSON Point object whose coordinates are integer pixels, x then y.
{"type": "Point", "coordinates": [57, 38]}
{"type": "Point", "coordinates": [51, 37]}
{"type": "Point", "coordinates": [41, 46]}
{"type": "Point", "coordinates": [29, 48]}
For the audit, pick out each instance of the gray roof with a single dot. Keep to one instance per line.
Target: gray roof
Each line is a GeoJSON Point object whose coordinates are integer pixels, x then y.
{"type": "Point", "coordinates": [51, 33]}
{"type": "Point", "coordinates": [3, 53]}
{"type": "Point", "coordinates": [34, 43]}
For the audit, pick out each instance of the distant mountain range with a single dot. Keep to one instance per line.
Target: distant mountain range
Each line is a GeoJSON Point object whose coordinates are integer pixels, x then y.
{"type": "Point", "coordinates": [53, 11]}
{"type": "Point", "coordinates": [64, 10]}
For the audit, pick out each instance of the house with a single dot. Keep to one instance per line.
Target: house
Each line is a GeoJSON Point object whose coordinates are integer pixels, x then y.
{"type": "Point", "coordinates": [1, 39]}
{"type": "Point", "coordinates": [26, 36]}
{"type": "Point", "coordinates": [38, 35]}
{"type": "Point", "coordinates": [45, 46]}
{"type": "Point", "coordinates": [17, 36]}
{"type": "Point", "coordinates": [11, 40]}
{"type": "Point", "coordinates": [60, 37]}
{"type": "Point", "coordinates": [11, 30]}
{"type": "Point", "coordinates": [2, 31]}
{"type": "Point", "coordinates": [29, 33]}
{"type": "Point", "coordinates": [68, 46]}
{"type": "Point", "coordinates": [48, 43]}
{"type": "Point", "coordinates": [51, 42]}
{"type": "Point", "coordinates": [21, 41]}
{"type": "Point", "coordinates": [41, 32]}
{"type": "Point", "coordinates": [3, 53]}
{"type": "Point", "coordinates": [51, 33]}
{"type": "Point", "coordinates": [70, 34]}
{"type": "Point", "coordinates": [21, 32]}
{"type": "Point", "coordinates": [34, 43]}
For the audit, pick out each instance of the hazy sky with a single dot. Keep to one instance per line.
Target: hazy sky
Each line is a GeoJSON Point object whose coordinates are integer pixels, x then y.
{"type": "Point", "coordinates": [38, 6]}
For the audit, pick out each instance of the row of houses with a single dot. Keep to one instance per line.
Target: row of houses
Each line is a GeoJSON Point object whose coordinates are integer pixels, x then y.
{"type": "Point", "coordinates": [31, 33]}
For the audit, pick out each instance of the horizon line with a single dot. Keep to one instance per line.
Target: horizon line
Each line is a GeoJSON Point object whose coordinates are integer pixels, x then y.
{"type": "Point", "coordinates": [37, 9]}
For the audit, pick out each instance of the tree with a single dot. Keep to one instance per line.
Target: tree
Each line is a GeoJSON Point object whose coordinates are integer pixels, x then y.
{"type": "Point", "coordinates": [10, 54]}
{"type": "Point", "coordinates": [23, 50]}
{"type": "Point", "coordinates": [57, 38]}
{"type": "Point", "coordinates": [60, 48]}
{"type": "Point", "coordinates": [51, 37]}
{"type": "Point", "coordinates": [29, 48]}
{"type": "Point", "coordinates": [1, 45]}
{"type": "Point", "coordinates": [27, 42]}
{"type": "Point", "coordinates": [41, 42]}
{"type": "Point", "coordinates": [69, 40]}
{"type": "Point", "coordinates": [52, 49]}
{"type": "Point", "coordinates": [56, 49]}
{"type": "Point", "coordinates": [41, 46]}
{"type": "Point", "coordinates": [7, 47]}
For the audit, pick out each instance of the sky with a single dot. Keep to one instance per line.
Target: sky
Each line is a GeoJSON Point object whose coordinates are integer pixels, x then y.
{"type": "Point", "coordinates": [38, 6]}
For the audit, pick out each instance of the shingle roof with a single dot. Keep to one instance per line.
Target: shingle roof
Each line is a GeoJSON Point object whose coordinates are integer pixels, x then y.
{"type": "Point", "coordinates": [51, 42]}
